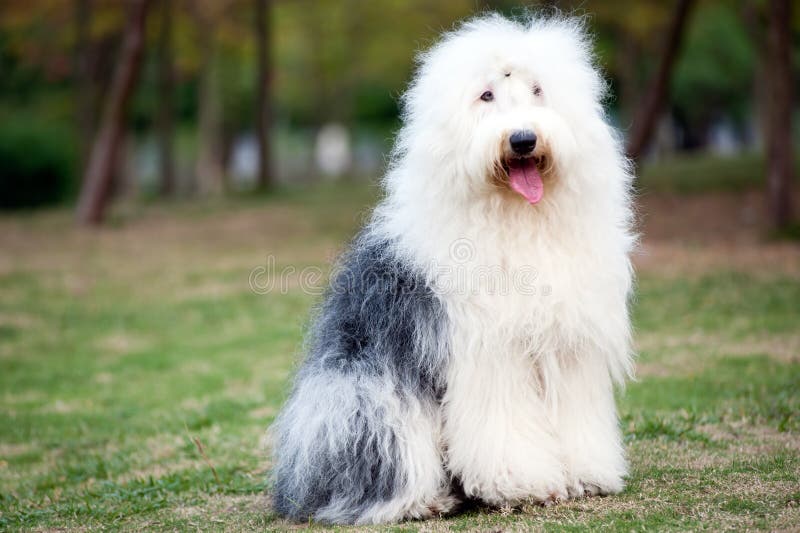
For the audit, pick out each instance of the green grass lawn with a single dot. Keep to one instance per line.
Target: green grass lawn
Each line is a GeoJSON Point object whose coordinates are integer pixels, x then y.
{"type": "Point", "coordinates": [139, 372]}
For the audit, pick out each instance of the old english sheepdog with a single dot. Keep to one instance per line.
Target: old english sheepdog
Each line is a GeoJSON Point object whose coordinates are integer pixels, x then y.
{"type": "Point", "coordinates": [472, 336]}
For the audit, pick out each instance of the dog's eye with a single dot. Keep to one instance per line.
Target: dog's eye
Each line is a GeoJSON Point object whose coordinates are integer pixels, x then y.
{"type": "Point", "coordinates": [487, 96]}
{"type": "Point", "coordinates": [537, 91]}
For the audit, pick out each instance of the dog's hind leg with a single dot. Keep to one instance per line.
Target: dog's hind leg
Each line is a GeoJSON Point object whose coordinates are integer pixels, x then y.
{"type": "Point", "coordinates": [424, 486]}
{"type": "Point", "coordinates": [355, 449]}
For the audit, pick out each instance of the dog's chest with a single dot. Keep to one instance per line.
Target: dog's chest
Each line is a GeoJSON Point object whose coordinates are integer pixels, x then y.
{"type": "Point", "coordinates": [533, 297]}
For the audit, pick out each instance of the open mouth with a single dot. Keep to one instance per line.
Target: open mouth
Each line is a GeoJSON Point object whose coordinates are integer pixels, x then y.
{"type": "Point", "coordinates": [524, 177]}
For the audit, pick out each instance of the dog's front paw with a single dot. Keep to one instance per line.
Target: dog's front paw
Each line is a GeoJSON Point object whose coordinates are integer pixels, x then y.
{"type": "Point", "coordinates": [586, 489]}
{"type": "Point", "coordinates": [554, 498]}
{"type": "Point", "coordinates": [516, 487]}
{"type": "Point", "coordinates": [555, 495]}
{"type": "Point", "coordinates": [544, 496]}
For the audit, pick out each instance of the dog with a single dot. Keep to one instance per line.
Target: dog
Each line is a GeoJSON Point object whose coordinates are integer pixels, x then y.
{"type": "Point", "coordinates": [472, 335]}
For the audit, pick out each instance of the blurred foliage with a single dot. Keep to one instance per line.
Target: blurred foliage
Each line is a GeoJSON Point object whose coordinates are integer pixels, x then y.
{"type": "Point", "coordinates": [718, 74]}
{"type": "Point", "coordinates": [37, 159]}
{"type": "Point", "coordinates": [348, 60]}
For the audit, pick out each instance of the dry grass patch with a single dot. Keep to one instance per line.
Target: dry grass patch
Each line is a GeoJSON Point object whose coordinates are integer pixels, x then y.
{"type": "Point", "coordinates": [670, 355]}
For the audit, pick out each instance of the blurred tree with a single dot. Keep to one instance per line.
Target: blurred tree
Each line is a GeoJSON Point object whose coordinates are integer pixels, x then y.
{"type": "Point", "coordinates": [105, 148]}
{"type": "Point", "coordinates": [84, 88]}
{"type": "Point", "coordinates": [333, 57]}
{"type": "Point", "coordinates": [647, 115]}
{"type": "Point", "coordinates": [263, 35]}
{"type": "Point", "coordinates": [624, 31]}
{"type": "Point", "coordinates": [166, 104]}
{"type": "Point", "coordinates": [335, 61]}
{"type": "Point", "coordinates": [779, 112]}
{"type": "Point", "coordinates": [720, 68]}
{"type": "Point", "coordinates": [209, 171]}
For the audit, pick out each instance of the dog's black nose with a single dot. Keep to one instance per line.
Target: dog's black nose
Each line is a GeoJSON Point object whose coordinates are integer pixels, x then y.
{"type": "Point", "coordinates": [523, 142]}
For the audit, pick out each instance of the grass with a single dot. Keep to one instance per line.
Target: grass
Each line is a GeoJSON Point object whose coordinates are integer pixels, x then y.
{"type": "Point", "coordinates": [139, 371]}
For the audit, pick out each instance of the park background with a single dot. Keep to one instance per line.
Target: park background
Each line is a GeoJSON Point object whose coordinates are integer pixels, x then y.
{"type": "Point", "coordinates": [176, 177]}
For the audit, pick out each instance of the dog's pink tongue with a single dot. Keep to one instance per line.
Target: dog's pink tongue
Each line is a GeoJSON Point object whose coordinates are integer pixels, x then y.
{"type": "Point", "coordinates": [525, 179]}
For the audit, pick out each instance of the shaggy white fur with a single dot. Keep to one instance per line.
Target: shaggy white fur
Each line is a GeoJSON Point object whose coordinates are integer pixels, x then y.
{"type": "Point", "coordinates": [534, 293]}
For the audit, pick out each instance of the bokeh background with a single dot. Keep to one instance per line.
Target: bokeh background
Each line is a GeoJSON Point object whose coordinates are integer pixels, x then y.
{"type": "Point", "coordinates": [325, 78]}
{"type": "Point", "coordinates": [177, 175]}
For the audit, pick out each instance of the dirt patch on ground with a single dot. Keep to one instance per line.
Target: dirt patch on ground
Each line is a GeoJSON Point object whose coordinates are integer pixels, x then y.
{"type": "Point", "coordinates": [694, 234]}
{"type": "Point", "coordinates": [674, 258]}
{"type": "Point", "coordinates": [732, 217]}
{"type": "Point", "coordinates": [681, 235]}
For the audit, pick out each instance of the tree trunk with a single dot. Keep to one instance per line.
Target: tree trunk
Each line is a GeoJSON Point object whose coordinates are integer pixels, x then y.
{"type": "Point", "coordinates": [779, 112]}
{"type": "Point", "coordinates": [166, 106]}
{"type": "Point", "coordinates": [264, 107]}
{"type": "Point", "coordinates": [208, 169]}
{"type": "Point", "coordinates": [97, 180]}
{"type": "Point", "coordinates": [84, 87]}
{"type": "Point", "coordinates": [627, 59]}
{"type": "Point", "coordinates": [646, 118]}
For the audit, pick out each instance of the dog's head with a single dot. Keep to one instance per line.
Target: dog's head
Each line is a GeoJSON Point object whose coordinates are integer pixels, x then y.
{"type": "Point", "coordinates": [507, 107]}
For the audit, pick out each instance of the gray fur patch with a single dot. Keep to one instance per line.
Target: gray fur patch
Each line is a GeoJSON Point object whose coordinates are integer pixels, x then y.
{"type": "Point", "coordinates": [380, 327]}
